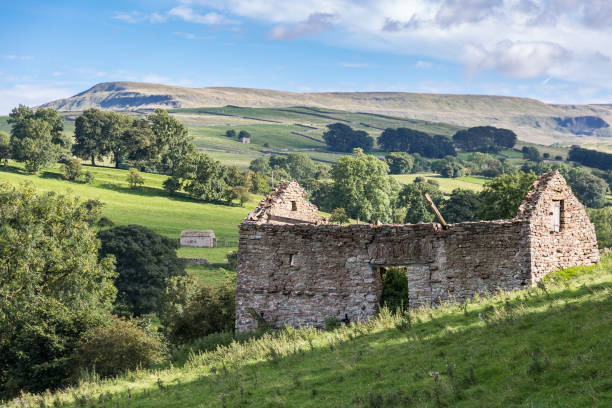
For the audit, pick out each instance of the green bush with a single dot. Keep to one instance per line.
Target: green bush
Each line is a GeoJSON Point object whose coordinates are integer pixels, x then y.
{"type": "Point", "coordinates": [72, 169]}
{"type": "Point", "coordinates": [602, 219]}
{"type": "Point", "coordinates": [134, 178]}
{"type": "Point", "coordinates": [395, 288]}
{"type": "Point", "coordinates": [210, 310]}
{"type": "Point", "coordinates": [117, 347]}
{"type": "Point", "coordinates": [232, 260]}
{"type": "Point", "coordinates": [172, 185]}
{"type": "Point", "coordinates": [331, 323]}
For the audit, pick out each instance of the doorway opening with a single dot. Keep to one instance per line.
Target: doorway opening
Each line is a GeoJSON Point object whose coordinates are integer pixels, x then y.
{"type": "Point", "coordinates": [395, 287]}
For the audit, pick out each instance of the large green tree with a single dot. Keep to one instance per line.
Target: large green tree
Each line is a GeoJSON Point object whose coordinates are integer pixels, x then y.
{"type": "Point", "coordinates": [205, 178]}
{"type": "Point", "coordinates": [5, 147]}
{"type": "Point", "coordinates": [172, 139]}
{"type": "Point", "coordinates": [114, 133]}
{"type": "Point", "coordinates": [461, 206]}
{"type": "Point", "coordinates": [411, 197]}
{"type": "Point", "coordinates": [502, 196]}
{"type": "Point", "coordinates": [343, 138]}
{"type": "Point", "coordinates": [89, 138]}
{"type": "Point", "coordinates": [53, 286]}
{"type": "Point", "coordinates": [37, 137]}
{"type": "Point", "coordinates": [399, 162]}
{"type": "Point", "coordinates": [144, 259]}
{"type": "Point", "coordinates": [484, 139]}
{"type": "Point", "coordinates": [363, 187]}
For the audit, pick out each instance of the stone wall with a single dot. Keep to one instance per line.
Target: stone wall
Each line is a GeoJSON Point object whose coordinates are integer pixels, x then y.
{"type": "Point", "coordinates": [574, 244]}
{"type": "Point", "coordinates": [286, 204]}
{"type": "Point", "coordinates": [302, 274]}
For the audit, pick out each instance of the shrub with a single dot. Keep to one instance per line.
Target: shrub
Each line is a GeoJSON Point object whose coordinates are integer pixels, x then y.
{"type": "Point", "coordinates": [172, 184]}
{"type": "Point", "coordinates": [232, 260]}
{"type": "Point", "coordinates": [211, 310]}
{"type": "Point", "coordinates": [72, 169]}
{"type": "Point", "coordinates": [338, 216]}
{"type": "Point", "coordinates": [134, 178]}
{"type": "Point", "coordinates": [395, 288]}
{"type": "Point", "coordinates": [331, 323]}
{"type": "Point", "coordinates": [88, 177]}
{"type": "Point", "coordinates": [602, 219]}
{"type": "Point", "coordinates": [117, 347]}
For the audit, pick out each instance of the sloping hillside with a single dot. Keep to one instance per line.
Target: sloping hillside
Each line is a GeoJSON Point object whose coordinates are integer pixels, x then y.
{"type": "Point", "coordinates": [549, 346]}
{"type": "Point", "coordinates": [533, 120]}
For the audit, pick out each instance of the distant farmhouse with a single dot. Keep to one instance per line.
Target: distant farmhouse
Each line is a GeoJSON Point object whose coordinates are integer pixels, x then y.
{"type": "Point", "coordinates": [244, 139]}
{"type": "Point", "coordinates": [295, 268]}
{"type": "Point", "coordinates": [198, 239]}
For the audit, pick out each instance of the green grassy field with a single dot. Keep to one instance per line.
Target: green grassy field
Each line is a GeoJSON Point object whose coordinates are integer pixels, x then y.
{"type": "Point", "coordinates": [149, 206]}
{"type": "Point", "coordinates": [210, 275]}
{"type": "Point", "coordinates": [447, 185]}
{"type": "Point", "coordinates": [549, 346]}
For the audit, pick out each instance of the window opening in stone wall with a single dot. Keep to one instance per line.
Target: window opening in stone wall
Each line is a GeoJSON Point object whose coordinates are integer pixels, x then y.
{"type": "Point", "coordinates": [395, 287]}
{"type": "Point", "coordinates": [556, 215]}
{"type": "Point", "coordinates": [291, 260]}
{"type": "Point", "coordinates": [293, 206]}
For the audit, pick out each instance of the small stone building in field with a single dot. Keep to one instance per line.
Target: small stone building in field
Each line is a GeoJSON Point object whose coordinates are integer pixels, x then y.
{"type": "Point", "coordinates": [198, 239]}
{"type": "Point", "coordinates": [244, 139]}
{"type": "Point", "coordinates": [295, 268]}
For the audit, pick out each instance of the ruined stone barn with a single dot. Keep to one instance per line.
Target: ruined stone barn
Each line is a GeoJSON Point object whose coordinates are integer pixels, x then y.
{"type": "Point", "coordinates": [295, 268]}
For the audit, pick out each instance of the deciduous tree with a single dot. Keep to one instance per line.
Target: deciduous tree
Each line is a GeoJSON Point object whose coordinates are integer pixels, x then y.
{"type": "Point", "coordinates": [363, 188]}
{"type": "Point", "coordinates": [502, 196]}
{"type": "Point", "coordinates": [144, 259]}
{"type": "Point", "coordinates": [53, 286]}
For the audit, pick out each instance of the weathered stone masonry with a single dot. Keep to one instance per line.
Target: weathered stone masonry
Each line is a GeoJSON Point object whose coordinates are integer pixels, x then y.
{"type": "Point", "coordinates": [306, 270]}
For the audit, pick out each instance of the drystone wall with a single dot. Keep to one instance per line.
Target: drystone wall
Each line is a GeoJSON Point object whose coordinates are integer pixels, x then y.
{"type": "Point", "coordinates": [574, 243]}
{"type": "Point", "coordinates": [294, 268]}
{"type": "Point", "coordinates": [302, 274]}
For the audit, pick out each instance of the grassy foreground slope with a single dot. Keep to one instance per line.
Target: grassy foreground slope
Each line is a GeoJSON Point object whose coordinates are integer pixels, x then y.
{"type": "Point", "coordinates": [549, 346]}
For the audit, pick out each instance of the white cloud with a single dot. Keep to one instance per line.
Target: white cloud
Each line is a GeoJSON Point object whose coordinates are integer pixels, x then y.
{"type": "Point", "coordinates": [518, 59]}
{"type": "Point", "coordinates": [454, 12]}
{"type": "Point", "coordinates": [315, 23]}
{"type": "Point", "coordinates": [563, 39]}
{"type": "Point", "coordinates": [31, 95]}
{"type": "Point", "coordinates": [133, 17]}
{"type": "Point", "coordinates": [187, 13]}
{"type": "Point", "coordinates": [18, 57]}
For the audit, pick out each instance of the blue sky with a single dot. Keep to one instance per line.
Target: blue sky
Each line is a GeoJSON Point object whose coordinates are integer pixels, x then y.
{"type": "Point", "coordinates": [553, 50]}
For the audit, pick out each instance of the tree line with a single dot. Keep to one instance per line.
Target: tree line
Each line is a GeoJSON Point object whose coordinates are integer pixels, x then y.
{"type": "Point", "coordinates": [487, 139]}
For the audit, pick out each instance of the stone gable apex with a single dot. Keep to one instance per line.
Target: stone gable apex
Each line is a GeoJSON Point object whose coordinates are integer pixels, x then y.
{"type": "Point", "coordinates": [286, 204]}
{"type": "Point", "coordinates": [545, 185]}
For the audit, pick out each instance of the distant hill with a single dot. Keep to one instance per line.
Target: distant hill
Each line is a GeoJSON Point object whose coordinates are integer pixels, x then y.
{"type": "Point", "coordinates": [531, 119]}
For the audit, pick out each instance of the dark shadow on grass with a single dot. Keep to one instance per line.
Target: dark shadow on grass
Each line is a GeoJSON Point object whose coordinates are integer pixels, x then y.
{"type": "Point", "coordinates": [15, 170]}
{"type": "Point", "coordinates": [52, 175]}
{"type": "Point", "coordinates": [475, 366]}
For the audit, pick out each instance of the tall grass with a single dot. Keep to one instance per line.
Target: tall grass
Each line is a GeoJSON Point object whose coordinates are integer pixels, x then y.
{"type": "Point", "coordinates": [546, 346]}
